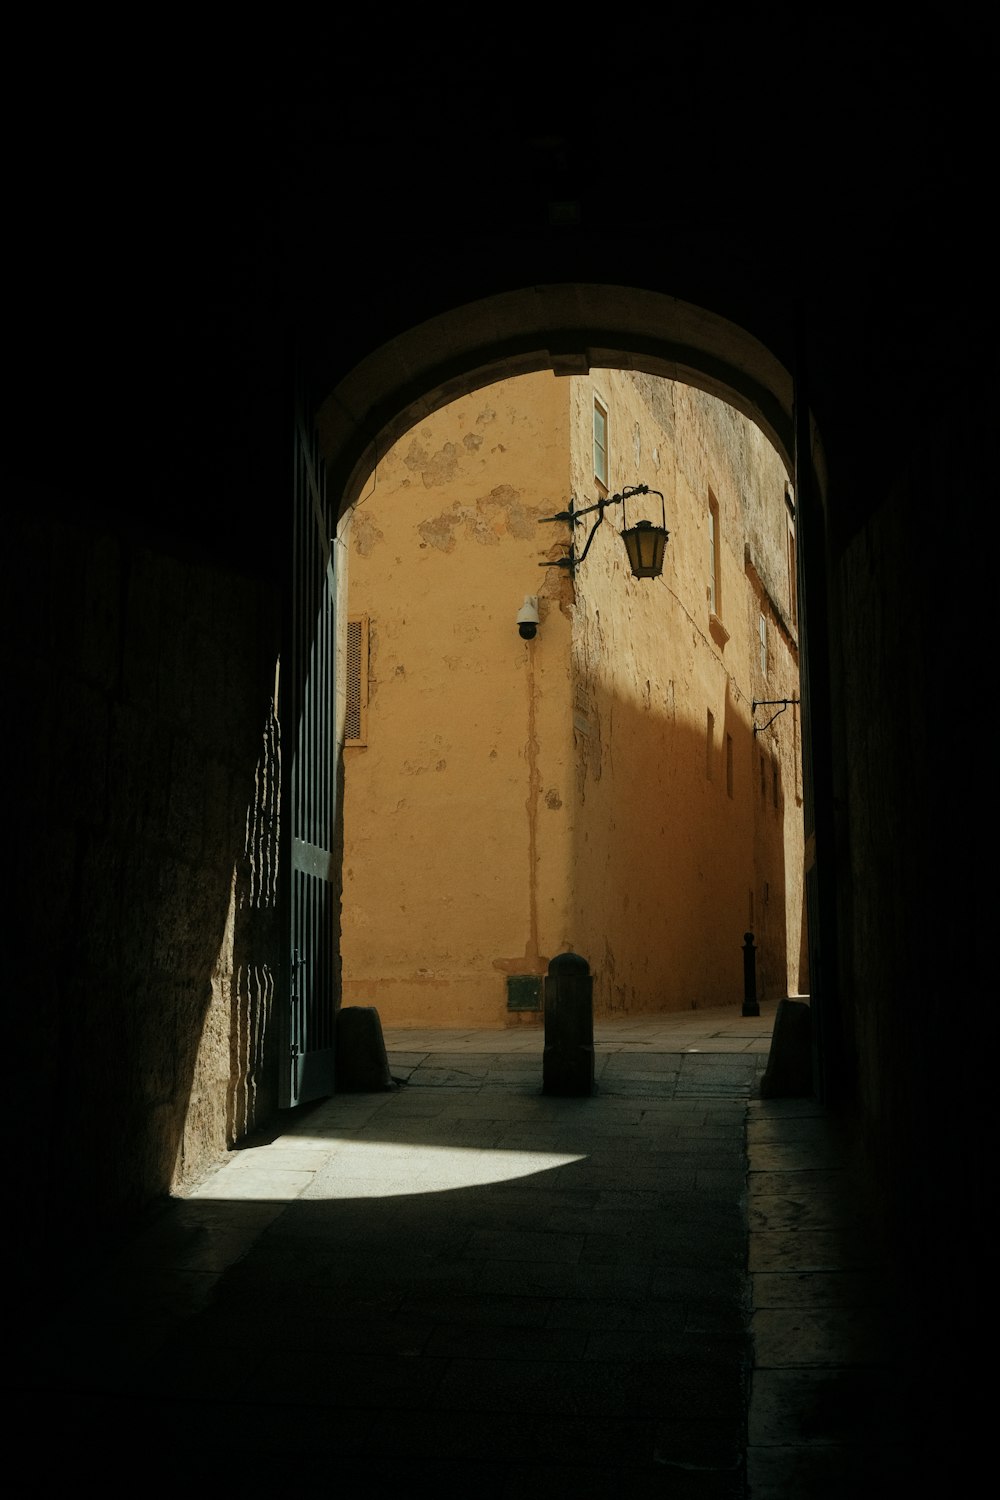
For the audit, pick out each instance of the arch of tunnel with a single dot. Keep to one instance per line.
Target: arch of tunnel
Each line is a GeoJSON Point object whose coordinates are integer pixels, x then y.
{"type": "Point", "coordinates": [601, 812]}
{"type": "Point", "coordinates": [144, 671]}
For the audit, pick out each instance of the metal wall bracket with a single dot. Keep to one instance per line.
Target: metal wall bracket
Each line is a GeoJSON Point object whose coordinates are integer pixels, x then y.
{"type": "Point", "coordinates": [769, 703]}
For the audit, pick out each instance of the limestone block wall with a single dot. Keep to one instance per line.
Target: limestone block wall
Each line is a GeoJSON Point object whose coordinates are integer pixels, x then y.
{"type": "Point", "coordinates": [689, 827]}
{"type": "Point", "coordinates": [914, 934]}
{"type": "Point", "coordinates": [914, 825]}
{"type": "Point", "coordinates": [145, 811]}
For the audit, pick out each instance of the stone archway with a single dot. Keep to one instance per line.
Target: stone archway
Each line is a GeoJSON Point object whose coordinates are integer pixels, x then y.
{"type": "Point", "coordinates": [568, 329]}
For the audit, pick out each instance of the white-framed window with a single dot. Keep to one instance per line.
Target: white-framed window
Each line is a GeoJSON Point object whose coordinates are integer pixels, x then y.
{"type": "Point", "coordinates": [714, 558]}
{"type": "Point", "coordinates": [793, 561]}
{"type": "Point", "coordinates": [601, 443]}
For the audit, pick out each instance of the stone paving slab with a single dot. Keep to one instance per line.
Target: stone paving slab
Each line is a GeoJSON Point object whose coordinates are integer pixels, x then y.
{"type": "Point", "coordinates": [460, 1283]}
{"type": "Point", "coordinates": [833, 1289]}
{"type": "Point", "coordinates": [453, 1251]}
{"type": "Point", "coordinates": [824, 1414]}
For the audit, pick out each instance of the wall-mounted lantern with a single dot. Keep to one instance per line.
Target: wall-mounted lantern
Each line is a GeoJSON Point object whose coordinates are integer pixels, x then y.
{"type": "Point", "coordinates": [645, 542]}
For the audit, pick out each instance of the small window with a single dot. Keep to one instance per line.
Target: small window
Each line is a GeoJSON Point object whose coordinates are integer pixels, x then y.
{"type": "Point", "coordinates": [763, 644]}
{"type": "Point", "coordinates": [356, 713]}
{"type": "Point", "coordinates": [600, 443]}
{"type": "Point", "coordinates": [793, 562]}
{"type": "Point", "coordinates": [714, 562]}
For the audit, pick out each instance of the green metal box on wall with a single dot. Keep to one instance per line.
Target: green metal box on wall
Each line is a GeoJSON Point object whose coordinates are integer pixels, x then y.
{"type": "Point", "coordinates": [524, 992]}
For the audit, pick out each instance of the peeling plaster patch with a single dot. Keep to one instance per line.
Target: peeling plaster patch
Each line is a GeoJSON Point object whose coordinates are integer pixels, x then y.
{"type": "Point", "coordinates": [553, 799]}
{"type": "Point", "coordinates": [488, 414]}
{"type": "Point", "coordinates": [365, 533]}
{"type": "Point", "coordinates": [440, 532]}
{"type": "Point", "coordinates": [519, 520]}
{"type": "Point", "coordinates": [441, 765]}
{"type": "Point", "coordinates": [484, 530]}
{"type": "Point", "coordinates": [415, 456]}
{"type": "Point", "coordinates": [506, 513]}
{"type": "Point", "coordinates": [472, 441]}
{"type": "Point", "coordinates": [494, 515]}
{"type": "Point", "coordinates": [528, 962]}
{"type": "Point", "coordinates": [433, 468]}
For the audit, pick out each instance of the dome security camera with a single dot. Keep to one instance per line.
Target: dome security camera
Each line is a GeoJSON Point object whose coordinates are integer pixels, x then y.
{"type": "Point", "coordinates": [527, 618]}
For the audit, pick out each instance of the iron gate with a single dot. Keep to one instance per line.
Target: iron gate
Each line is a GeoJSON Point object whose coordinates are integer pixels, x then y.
{"type": "Point", "coordinates": [309, 786]}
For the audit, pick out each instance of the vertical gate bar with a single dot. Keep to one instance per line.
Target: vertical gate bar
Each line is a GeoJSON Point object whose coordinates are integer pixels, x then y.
{"type": "Point", "coordinates": [329, 733]}
{"type": "Point", "coordinates": [311, 794]}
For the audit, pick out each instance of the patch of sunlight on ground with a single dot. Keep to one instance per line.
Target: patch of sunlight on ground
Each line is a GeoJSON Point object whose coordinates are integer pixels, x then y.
{"type": "Point", "coordinates": [375, 1169]}
{"type": "Point", "coordinates": [317, 1169]}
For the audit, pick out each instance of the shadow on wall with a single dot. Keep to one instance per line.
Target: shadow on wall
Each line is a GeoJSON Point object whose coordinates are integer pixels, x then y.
{"type": "Point", "coordinates": [672, 837]}
{"type": "Point", "coordinates": [147, 679]}
{"type": "Point", "coordinates": [661, 861]}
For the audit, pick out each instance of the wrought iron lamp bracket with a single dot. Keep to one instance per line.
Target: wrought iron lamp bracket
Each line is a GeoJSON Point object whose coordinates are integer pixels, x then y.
{"type": "Point", "coordinates": [769, 703]}
{"type": "Point", "coordinates": [572, 515]}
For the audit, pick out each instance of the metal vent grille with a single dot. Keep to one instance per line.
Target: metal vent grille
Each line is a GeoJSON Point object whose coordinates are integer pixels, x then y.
{"type": "Point", "coordinates": [356, 716]}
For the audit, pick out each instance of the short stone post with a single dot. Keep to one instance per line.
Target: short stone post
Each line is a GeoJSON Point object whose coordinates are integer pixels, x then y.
{"type": "Point", "coordinates": [568, 1056]}
{"type": "Point", "coordinates": [750, 1006]}
{"type": "Point", "coordinates": [361, 1064]}
{"type": "Point", "coordinates": [789, 1063]}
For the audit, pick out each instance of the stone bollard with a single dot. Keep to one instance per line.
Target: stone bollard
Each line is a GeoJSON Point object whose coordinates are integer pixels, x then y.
{"type": "Point", "coordinates": [568, 1056]}
{"type": "Point", "coordinates": [362, 1066]}
{"type": "Point", "coordinates": [750, 1006]}
{"type": "Point", "coordinates": [789, 1073]}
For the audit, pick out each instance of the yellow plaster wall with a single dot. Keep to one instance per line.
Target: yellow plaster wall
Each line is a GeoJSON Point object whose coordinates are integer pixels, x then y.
{"type": "Point", "coordinates": [516, 798]}
{"type": "Point", "coordinates": [458, 812]}
{"type": "Point", "coordinates": [671, 870]}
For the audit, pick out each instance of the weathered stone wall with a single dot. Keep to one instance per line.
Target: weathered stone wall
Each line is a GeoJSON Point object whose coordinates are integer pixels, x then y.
{"type": "Point", "coordinates": [672, 865]}
{"type": "Point", "coordinates": [143, 804]}
{"type": "Point", "coordinates": [912, 895]}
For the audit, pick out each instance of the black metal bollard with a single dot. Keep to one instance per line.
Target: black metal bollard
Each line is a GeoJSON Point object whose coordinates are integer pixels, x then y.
{"type": "Point", "coordinates": [750, 1006]}
{"type": "Point", "coordinates": [568, 1056]}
